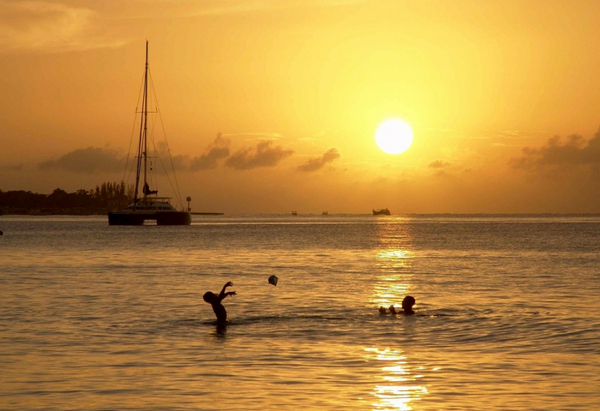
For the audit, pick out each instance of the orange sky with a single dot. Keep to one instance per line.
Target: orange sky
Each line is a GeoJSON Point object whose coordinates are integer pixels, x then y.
{"type": "Point", "coordinates": [503, 98]}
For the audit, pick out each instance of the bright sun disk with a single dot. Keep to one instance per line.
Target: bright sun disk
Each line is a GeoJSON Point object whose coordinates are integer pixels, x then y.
{"type": "Point", "coordinates": [394, 136]}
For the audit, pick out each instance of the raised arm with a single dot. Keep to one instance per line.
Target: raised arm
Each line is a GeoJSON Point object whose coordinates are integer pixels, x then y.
{"type": "Point", "coordinates": [225, 294]}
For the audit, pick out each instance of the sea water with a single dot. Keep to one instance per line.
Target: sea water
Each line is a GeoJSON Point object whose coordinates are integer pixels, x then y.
{"type": "Point", "coordinates": [98, 317]}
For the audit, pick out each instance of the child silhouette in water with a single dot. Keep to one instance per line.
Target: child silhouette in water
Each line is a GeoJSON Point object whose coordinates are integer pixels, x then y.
{"type": "Point", "coordinates": [215, 301]}
{"type": "Point", "coordinates": [407, 305]}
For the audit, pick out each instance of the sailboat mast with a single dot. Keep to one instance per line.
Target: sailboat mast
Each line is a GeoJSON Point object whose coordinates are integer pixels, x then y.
{"type": "Point", "coordinates": [145, 119]}
{"type": "Point", "coordinates": [142, 145]}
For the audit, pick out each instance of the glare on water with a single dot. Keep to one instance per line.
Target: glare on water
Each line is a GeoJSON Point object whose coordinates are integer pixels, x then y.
{"type": "Point", "coordinates": [99, 317]}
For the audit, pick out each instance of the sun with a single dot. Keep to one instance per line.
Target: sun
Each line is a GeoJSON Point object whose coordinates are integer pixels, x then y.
{"type": "Point", "coordinates": [394, 136]}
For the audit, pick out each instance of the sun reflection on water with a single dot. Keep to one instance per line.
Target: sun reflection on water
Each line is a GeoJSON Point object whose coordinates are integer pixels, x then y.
{"type": "Point", "coordinates": [396, 257]}
{"type": "Point", "coordinates": [399, 385]}
{"type": "Point", "coordinates": [394, 260]}
{"type": "Point", "coordinates": [395, 277]}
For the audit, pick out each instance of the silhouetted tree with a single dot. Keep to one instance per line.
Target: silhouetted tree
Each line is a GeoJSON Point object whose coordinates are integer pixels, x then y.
{"type": "Point", "coordinates": [108, 195]}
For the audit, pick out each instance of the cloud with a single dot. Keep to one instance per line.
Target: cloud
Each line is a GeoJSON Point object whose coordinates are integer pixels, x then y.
{"type": "Point", "coordinates": [217, 150]}
{"type": "Point", "coordinates": [49, 27]}
{"type": "Point", "coordinates": [87, 160]}
{"type": "Point", "coordinates": [252, 6]}
{"type": "Point", "coordinates": [575, 151]}
{"type": "Point", "coordinates": [94, 160]}
{"type": "Point", "coordinates": [162, 160]}
{"type": "Point", "coordinates": [13, 167]}
{"type": "Point", "coordinates": [263, 155]}
{"type": "Point", "coordinates": [439, 164]}
{"type": "Point", "coordinates": [318, 163]}
{"type": "Point", "coordinates": [255, 134]}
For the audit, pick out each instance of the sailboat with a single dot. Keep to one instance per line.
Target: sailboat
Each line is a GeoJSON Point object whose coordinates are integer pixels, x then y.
{"type": "Point", "coordinates": [148, 206]}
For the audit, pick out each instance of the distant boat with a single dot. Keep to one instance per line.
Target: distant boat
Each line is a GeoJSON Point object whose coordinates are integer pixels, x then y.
{"type": "Point", "coordinates": [383, 211]}
{"type": "Point", "coordinates": [325, 213]}
{"type": "Point", "coordinates": [294, 213]}
{"type": "Point", "coordinates": [148, 206]}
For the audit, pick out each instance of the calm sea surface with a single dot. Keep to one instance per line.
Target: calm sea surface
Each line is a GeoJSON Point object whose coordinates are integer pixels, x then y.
{"type": "Point", "coordinates": [94, 317]}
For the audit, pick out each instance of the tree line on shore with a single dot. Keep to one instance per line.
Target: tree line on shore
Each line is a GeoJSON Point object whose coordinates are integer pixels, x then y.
{"type": "Point", "coordinates": [107, 196]}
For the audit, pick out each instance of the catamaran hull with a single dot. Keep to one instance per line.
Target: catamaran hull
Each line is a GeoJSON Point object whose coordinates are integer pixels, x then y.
{"type": "Point", "coordinates": [139, 218]}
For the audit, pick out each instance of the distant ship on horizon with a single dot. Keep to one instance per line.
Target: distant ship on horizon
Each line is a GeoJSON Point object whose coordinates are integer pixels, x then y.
{"type": "Point", "coordinates": [383, 211]}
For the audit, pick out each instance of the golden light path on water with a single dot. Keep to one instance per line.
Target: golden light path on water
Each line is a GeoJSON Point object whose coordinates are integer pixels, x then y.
{"type": "Point", "coordinates": [391, 286]}
{"type": "Point", "coordinates": [398, 384]}
{"type": "Point", "coordinates": [393, 259]}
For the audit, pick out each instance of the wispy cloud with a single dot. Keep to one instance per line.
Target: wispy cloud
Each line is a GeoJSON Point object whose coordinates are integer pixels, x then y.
{"type": "Point", "coordinates": [87, 160]}
{"type": "Point", "coordinates": [162, 161]}
{"type": "Point", "coordinates": [52, 26]}
{"type": "Point", "coordinates": [439, 164]}
{"type": "Point", "coordinates": [13, 167]}
{"type": "Point", "coordinates": [255, 134]}
{"type": "Point", "coordinates": [263, 155]}
{"type": "Point", "coordinates": [318, 163]}
{"type": "Point", "coordinates": [92, 160]}
{"type": "Point", "coordinates": [222, 7]}
{"type": "Point", "coordinates": [49, 26]}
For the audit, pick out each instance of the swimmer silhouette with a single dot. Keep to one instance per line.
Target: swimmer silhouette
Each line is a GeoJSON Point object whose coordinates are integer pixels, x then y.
{"type": "Point", "coordinates": [407, 305]}
{"type": "Point", "coordinates": [215, 301]}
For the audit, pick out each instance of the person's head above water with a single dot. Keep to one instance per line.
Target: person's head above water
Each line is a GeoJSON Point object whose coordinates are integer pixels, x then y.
{"type": "Point", "coordinates": [215, 300]}
{"type": "Point", "coordinates": [209, 297]}
{"type": "Point", "coordinates": [407, 303]}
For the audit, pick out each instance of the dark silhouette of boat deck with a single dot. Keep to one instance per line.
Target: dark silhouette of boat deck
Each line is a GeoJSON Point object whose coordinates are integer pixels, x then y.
{"type": "Point", "coordinates": [383, 211]}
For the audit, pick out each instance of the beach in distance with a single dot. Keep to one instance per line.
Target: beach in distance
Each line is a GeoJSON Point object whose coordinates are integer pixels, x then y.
{"type": "Point", "coordinates": [97, 317]}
